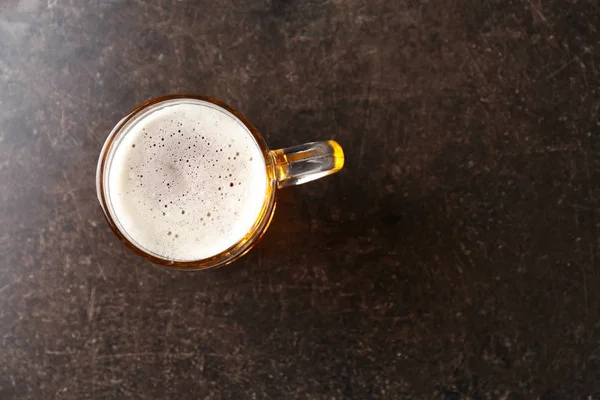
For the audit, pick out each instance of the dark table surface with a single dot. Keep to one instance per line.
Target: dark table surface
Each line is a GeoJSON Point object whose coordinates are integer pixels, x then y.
{"type": "Point", "coordinates": [455, 257]}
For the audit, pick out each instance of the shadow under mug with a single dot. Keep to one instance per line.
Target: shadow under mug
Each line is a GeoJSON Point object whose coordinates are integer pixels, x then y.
{"type": "Point", "coordinates": [284, 167]}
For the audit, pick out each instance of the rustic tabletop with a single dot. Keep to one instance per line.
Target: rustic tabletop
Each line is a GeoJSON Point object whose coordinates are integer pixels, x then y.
{"type": "Point", "coordinates": [455, 257]}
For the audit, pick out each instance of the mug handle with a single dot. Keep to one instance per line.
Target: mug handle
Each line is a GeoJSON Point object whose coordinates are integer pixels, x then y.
{"type": "Point", "coordinates": [306, 162]}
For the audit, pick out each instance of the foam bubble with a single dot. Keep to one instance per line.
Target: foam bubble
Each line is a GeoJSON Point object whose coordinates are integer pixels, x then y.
{"type": "Point", "coordinates": [195, 194]}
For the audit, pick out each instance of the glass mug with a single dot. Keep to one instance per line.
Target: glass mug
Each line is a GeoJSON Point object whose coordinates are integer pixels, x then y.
{"type": "Point", "coordinates": [187, 182]}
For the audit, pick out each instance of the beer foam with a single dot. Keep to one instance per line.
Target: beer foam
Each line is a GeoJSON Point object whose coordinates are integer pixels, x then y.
{"type": "Point", "coordinates": [187, 181]}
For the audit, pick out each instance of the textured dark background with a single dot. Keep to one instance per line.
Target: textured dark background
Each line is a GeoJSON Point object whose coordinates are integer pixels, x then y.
{"type": "Point", "coordinates": [455, 257]}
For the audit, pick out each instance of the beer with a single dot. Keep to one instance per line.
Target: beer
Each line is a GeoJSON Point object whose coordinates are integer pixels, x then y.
{"type": "Point", "coordinates": [187, 181]}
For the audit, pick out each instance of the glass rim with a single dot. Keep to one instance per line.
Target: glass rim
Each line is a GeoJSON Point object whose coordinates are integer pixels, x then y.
{"type": "Point", "coordinates": [224, 257]}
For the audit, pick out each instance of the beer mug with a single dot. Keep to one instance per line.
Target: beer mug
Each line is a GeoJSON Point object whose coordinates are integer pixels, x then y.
{"type": "Point", "coordinates": [187, 182]}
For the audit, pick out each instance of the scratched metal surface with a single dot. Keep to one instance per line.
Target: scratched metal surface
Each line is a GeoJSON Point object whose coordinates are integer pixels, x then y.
{"type": "Point", "coordinates": [455, 257]}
